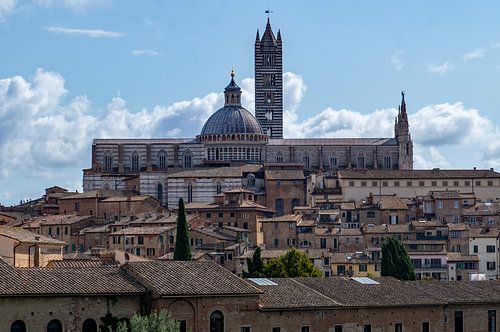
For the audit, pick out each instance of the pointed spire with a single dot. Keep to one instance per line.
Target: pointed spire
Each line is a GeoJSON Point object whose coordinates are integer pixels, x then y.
{"type": "Point", "coordinates": [279, 35]}
{"type": "Point", "coordinates": [403, 104]}
{"type": "Point", "coordinates": [232, 92]}
{"type": "Point", "coordinates": [257, 37]}
{"type": "Point", "coordinates": [268, 38]}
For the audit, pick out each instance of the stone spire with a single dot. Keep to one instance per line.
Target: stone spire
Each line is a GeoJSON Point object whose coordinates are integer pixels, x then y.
{"type": "Point", "coordinates": [232, 93]}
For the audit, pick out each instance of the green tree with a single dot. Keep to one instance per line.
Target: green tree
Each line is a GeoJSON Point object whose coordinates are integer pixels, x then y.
{"type": "Point", "coordinates": [182, 244]}
{"type": "Point", "coordinates": [155, 322]}
{"type": "Point", "coordinates": [290, 265]}
{"type": "Point", "coordinates": [255, 265]}
{"type": "Point", "coordinates": [395, 260]}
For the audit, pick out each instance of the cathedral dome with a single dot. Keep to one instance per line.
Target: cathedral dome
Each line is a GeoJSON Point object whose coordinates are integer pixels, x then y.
{"type": "Point", "coordinates": [232, 118]}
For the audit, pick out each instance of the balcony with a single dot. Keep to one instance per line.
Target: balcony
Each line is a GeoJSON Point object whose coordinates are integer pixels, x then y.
{"type": "Point", "coordinates": [431, 267]}
{"type": "Point", "coordinates": [432, 238]}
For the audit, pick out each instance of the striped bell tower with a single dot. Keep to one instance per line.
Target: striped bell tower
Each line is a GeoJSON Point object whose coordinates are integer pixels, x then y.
{"type": "Point", "coordinates": [269, 82]}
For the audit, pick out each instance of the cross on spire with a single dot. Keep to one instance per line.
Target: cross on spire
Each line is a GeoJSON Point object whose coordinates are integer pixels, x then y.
{"type": "Point", "coordinates": [268, 12]}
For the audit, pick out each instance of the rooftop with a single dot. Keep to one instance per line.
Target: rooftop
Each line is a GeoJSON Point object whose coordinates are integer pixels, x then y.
{"type": "Point", "coordinates": [418, 174]}
{"type": "Point", "coordinates": [192, 278]}
{"type": "Point", "coordinates": [22, 235]}
{"type": "Point", "coordinates": [218, 172]}
{"type": "Point", "coordinates": [150, 230]}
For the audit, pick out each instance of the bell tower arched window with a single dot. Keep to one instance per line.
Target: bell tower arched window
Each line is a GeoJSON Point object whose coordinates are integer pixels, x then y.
{"type": "Point", "coordinates": [162, 159]}
{"type": "Point", "coordinates": [190, 193]}
{"type": "Point", "coordinates": [305, 160]}
{"type": "Point", "coordinates": [279, 158]}
{"type": "Point", "coordinates": [135, 161]}
{"type": "Point", "coordinates": [108, 161]}
{"type": "Point", "coordinates": [361, 160]}
{"type": "Point", "coordinates": [159, 192]}
{"type": "Point", "coordinates": [188, 159]}
{"type": "Point", "coordinates": [333, 162]}
{"type": "Point", "coordinates": [387, 162]}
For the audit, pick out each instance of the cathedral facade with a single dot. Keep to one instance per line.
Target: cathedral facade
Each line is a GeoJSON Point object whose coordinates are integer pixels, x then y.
{"type": "Point", "coordinates": [233, 136]}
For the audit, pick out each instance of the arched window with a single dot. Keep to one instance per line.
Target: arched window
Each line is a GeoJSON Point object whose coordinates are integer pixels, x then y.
{"type": "Point", "coordinates": [187, 159]}
{"type": "Point", "coordinates": [159, 192]}
{"type": "Point", "coordinates": [278, 207]}
{"type": "Point", "coordinates": [219, 188]}
{"type": "Point", "coordinates": [305, 160]}
{"type": "Point", "coordinates": [333, 162]}
{"type": "Point", "coordinates": [251, 180]}
{"type": "Point", "coordinates": [295, 202]}
{"type": "Point", "coordinates": [89, 325]}
{"type": "Point", "coordinates": [279, 158]}
{"type": "Point", "coordinates": [217, 322]}
{"type": "Point", "coordinates": [387, 162]}
{"type": "Point", "coordinates": [18, 326]}
{"type": "Point", "coordinates": [190, 193]}
{"type": "Point", "coordinates": [407, 149]}
{"type": "Point", "coordinates": [135, 161]}
{"type": "Point", "coordinates": [108, 161]}
{"type": "Point", "coordinates": [107, 186]}
{"type": "Point", "coordinates": [54, 326]}
{"type": "Point", "coordinates": [361, 160]}
{"type": "Point", "coordinates": [161, 159]}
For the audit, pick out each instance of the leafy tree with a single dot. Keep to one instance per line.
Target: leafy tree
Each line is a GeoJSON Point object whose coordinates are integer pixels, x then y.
{"type": "Point", "coordinates": [290, 265]}
{"type": "Point", "coordinates": [255, 265]}
{"type": "Point", "coordinates": [182, 245]}
{"type": "Point", "coordinates": [155, 322]}
{"type": "Point", "coordinates": [395, 260]}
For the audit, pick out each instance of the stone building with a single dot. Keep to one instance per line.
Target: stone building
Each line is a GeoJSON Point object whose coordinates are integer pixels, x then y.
{"type": "Point", "coordinates": [233, 136]}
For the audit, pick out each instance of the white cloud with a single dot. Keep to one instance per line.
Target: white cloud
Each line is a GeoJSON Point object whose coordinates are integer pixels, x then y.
{"type": "Point", "coordinates": [396, 60]}
{"type": "Point", "coordinates": [44, 138]}
{"type": "Point", "coordinates": [475, 54]}
{"type": "Point", "coordinates": [92, 33]}
{"type": "Point", "coordinates": [441, 69]}
{"type": "Point", "coordinates": [145, 53]}
{"type": "Point", "coordinates": [6, 8]}
{"type": "Point", "coordinates": [78, 5]}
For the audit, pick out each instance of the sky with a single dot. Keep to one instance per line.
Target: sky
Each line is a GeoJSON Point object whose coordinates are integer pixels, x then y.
{"type": "Point", "coordinates": [74, 70]}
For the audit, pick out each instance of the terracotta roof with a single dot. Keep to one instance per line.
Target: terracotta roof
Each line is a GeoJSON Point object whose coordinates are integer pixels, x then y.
{"type": "Point", "coordinates": [291, 294]}
{"type": "Point", "coordinates": [391, 203]}
{"type": "Point", "coordinates": [190, 278]}
{"type": "Point", "coordinates": [463, 291]}
{"type": "Point", "coordinates": [238, 191]}
{"type": "Point", "coordinates": [65, 219]}
{"type": "Point", "coordinates": [284, 174]}
{"type": "Point", "coordinates": [483, 232]}
{"type": "Point", "coordinates": [225, 172]}
{"type": "Point", "coordinates": [127, 199]}
{"type": "Point", "coordinates": [451, 194]}
{"type": "Point", "coordinates": [284, 218]}
{"type": "Point", "coordinates": [418, 174]}
{"type": "Point", "coordinates": [458, 257]}
{"type": "Point", "coordinates": [212, 233]}
{"type": "Point", "coordinates": [482, 209]}
{"type": "Point", "coordinates": [149, 230]}
{"type": "Point", "coordinates": [82, 263]}
{"type": "Point", "coordinates": [457, 226]}
{"type": "Point", "coordinates": [387, 293]}
{"type": "Point", "coordinates": [385, 228]}
{"type": "Point", "coordinates": [68, 281]}
{"type": "Point", "coordinates": [22, 235]}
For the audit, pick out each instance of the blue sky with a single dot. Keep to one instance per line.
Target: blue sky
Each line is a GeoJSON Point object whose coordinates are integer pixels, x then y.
{"type": "Point", "coordinates": [73, 70]}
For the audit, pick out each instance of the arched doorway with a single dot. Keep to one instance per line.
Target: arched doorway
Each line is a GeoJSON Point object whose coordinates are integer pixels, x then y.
{"type": "Point", "coordinates": [89, 325]}
{"type": "Point", "coordinates": [217, 322]}
{"type": "Point", "coordinates": [18, 326]}
{"type": "Point", "coordinates": [54, 326]}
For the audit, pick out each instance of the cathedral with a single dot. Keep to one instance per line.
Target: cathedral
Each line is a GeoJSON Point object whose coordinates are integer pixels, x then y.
{"type": "Point", "coordinates": [233, 137]}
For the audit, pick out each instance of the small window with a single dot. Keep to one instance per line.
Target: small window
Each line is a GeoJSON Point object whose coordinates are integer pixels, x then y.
{"type": "Point", "coordinates": [54, 326]}
{"type": "Point", "coordinates": [398, 327]}
{"type": "Point", "coordinates": [374, 184]}
{"type": "Point", "coordinates": [151, 251]}
{"type": "Point", "coordinates": [221, 215]}
{"type": "Point", "coordinates": [434, 183]}
{"type": "Point", "coordinates": [467, 183]}
{"type": "Point", "coordinates": [276, 242]}
{"type": "Point", "coordinates": [490, 266]}
{"type": "Point", "coordinates": [351, 183]}
{"type": "Point", "coordinates": [396, 183]}
{"type": "Point", "coordinates": [338, 328]}
{"type": "Point", "coordinates": [232, 214]}
{"type": "Point", "coordinates": [89, 325]}
{"type": "Point", "coordinates": [421, 183]}
{"type": "Point", "coordinates": [445, 183]}
{"type": "Point", "coordinates": [367, 328]}
{"type": "Point", "coordinates": [478, 183]}
{"type": "Point", "coordinates": [385, 184]}
{"type": "Point", "coordinates": [363, 268]}
{"type": "Point", "coordinates": [492, 320]}
{"type": "Point", "coordinates": [490, 249]}
{"type": "Point", "coordinates": [245, 329]}
{"type": "Point", "coordinates": [409, 183]}
{"type": "Point", "coordinates": [304, 329]}
{"type": "Point", "coordinates": [363, 183]}
{"type": "Point", "coordinates": [209, 215]}
{"type": "Point", "coordinates": [490, 183]}
{"type": "Point", "coordinates": [476, 249]}
{"type": "Point", "coordinates": [276, 329]}
{"type": "Point", "coordinates": [426, 327]}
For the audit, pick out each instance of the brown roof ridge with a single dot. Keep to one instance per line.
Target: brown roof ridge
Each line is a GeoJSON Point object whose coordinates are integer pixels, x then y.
{"type": "Point", "coordinates": [316, 292]}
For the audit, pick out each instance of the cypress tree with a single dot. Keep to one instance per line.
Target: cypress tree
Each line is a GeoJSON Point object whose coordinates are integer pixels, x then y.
{"type": "Point", "coordinates": [182, 245]}
{"type": "Point", "coordinates": [255, 265]}
{"type": "Point", "coordinates": [395, 260]}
